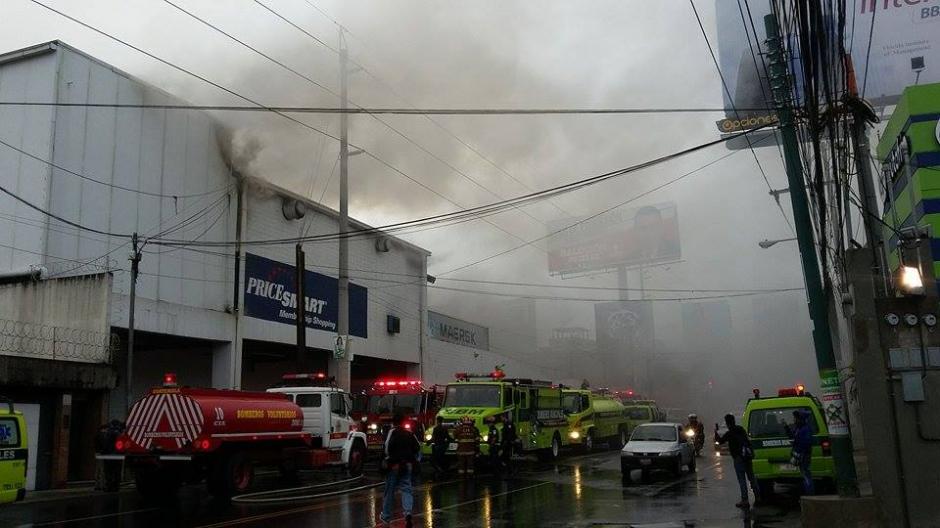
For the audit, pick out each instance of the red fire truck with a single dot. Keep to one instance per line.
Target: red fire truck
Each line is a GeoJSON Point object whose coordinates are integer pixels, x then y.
{"type": "Point", "coordinates": [181, 434]}
{"type": "Point", "coordinates": [375, 407]}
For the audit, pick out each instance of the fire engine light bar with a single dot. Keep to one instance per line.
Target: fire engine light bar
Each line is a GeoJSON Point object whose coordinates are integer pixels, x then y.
{"type": "Point", "coordinates": [399, 383]}
{"type": "Point", "coordinates": [169, 379]}
{"type": "Point", "coordinates": [314, 375]}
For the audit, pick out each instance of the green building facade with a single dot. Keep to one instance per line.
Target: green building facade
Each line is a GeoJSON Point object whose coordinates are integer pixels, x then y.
{"type": "Point", "coordinates": [909, 155]}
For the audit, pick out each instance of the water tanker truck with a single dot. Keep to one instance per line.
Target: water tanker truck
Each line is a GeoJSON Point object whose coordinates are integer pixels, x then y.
{"type": "Point", "coordinates": [180, 434]}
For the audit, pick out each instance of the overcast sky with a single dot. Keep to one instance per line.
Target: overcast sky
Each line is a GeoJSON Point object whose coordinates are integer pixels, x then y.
{"type": "Point", "coordinates": [497, 53]}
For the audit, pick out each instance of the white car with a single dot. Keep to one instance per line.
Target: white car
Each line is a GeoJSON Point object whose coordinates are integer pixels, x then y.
{"type": "Point", "coordinates": [657, 445]}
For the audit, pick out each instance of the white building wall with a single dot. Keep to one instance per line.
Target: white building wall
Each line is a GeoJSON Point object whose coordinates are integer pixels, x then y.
{"type": "Point", "coordinates": [394, 282]}
{"type": "Point", "coordinates": [22, 233]}
{"type": "Point", "coordinates": [170, 153]}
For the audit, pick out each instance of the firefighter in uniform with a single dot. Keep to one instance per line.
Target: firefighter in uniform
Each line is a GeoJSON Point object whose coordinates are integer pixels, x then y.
{"type": "Point", "coordinates": [509, 441]}
{"type": "Point", "coordinates": [468, 443]}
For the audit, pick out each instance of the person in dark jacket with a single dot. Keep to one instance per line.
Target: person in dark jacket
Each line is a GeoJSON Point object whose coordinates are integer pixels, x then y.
{"type": "Point", "coordinates": [440, 440]}
{"type": "Point", "coordinates": [742, 455]}
{"type": "Point", "coordinates": [803, 448]}
{"type": "Point", "coordinates": [401, 453]}
{"type": "Point", "coordinates": [492, 440]}
{"type": "Point", "coordinates": [508, 442]}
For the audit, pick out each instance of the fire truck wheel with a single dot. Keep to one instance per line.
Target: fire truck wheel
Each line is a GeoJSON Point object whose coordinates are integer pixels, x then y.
{"type": "Point", "coordinates": [589, 441]}
{"type": "Point", "coordinates": [357, 459]}
{"type": "Point", "coordinates": [231, 475]}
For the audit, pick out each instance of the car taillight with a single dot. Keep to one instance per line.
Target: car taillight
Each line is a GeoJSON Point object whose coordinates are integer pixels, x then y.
{"type": "Point", "coordinates": [826, 447]}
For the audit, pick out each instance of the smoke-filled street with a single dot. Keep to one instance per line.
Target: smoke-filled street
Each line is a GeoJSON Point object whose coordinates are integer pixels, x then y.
{"type": "Point", "coordinates": [578, 491]}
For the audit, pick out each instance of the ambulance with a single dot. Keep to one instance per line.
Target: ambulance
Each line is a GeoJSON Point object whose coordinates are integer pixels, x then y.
{"type": "Point", "coordinates": [13, 454]}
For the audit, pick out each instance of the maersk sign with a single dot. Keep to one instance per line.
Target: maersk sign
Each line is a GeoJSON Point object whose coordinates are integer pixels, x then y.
{"type": "Point", "coordinates": [270, 294]}
{"type": "Point", "coordinates": [456, 331]}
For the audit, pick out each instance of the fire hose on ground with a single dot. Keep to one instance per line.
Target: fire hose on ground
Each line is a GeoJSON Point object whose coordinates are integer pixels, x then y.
{"type": "Point", "coordinates": [265, 497]}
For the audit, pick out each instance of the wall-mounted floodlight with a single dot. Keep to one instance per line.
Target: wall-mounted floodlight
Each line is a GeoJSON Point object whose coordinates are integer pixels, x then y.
{"type": "Point", "coordinates": [910, 280]}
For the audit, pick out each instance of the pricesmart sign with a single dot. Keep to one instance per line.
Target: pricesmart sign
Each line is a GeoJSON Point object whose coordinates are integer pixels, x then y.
{"type": "Point", "coordinates": [270, 294]}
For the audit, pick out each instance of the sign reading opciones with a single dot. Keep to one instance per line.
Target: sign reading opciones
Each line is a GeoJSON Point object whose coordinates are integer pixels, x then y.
{"type": "Point", "coordinates": [621, 237]}
{"type": "Point", "coordinates": [453, 330]}
{"type": "Point", "coordinates": [270, 294]}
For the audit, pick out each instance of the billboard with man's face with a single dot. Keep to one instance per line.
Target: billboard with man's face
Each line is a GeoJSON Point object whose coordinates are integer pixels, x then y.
{"type": "Point", "coordinates": [622, 237]}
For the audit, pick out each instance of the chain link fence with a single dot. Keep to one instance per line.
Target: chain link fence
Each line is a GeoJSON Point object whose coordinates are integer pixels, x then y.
{"type": "Point", "coordinates": [19, 338]}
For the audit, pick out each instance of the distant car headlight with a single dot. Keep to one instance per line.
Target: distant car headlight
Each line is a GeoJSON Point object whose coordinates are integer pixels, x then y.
{"type": "Point", "coordinates": [574, 435]}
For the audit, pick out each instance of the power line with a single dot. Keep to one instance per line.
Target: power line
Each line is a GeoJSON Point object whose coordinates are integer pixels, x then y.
{"type": "Point", "coordinates": [59, 218]}
{"type": "Point", "coordinates": [100, 182]}
{"type": "Point", "coordinates": [724, 85]}
{"type": "Point", "coordinates": [256, 103]}
{"type": "Point", "coordinates": [333, 93]}
{"type": "Point", "coordinates": [386, 111]}
{"type": "Point", "coordinates": [492, 207]}
{"type": "Point", "coordinates": [661, 299]}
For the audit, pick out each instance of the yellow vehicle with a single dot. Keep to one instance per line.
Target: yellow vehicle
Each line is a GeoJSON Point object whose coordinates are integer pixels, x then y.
{"type": "Point", "coordinates": [640, 412]}
{"type": "Point", "coordinates": [769, 422]}
{"type": "Point", "coordinates": [13, 454]}
{"type": "Point", "coordinates": [592, 418]}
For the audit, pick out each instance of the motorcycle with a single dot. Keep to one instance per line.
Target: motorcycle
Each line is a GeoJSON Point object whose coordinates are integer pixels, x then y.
{"type": "Point", "coordinates": [697, 439]}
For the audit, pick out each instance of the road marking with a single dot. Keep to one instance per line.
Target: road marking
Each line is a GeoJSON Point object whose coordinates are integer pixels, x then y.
{"type": "Point", "coordinates": [89, 518]}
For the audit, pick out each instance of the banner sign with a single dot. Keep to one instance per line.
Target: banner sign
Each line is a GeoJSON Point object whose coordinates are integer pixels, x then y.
{"type": "Point", "coordinates": [621, 237]}
{"type": "Point", "coordinates": [837, 418]}
{"type": "Point", "coordinates": [904, 51]}
{"type": "Point", "coordinates": [459, 332]}
{"type": "Point", "coordinates": [271, 294]}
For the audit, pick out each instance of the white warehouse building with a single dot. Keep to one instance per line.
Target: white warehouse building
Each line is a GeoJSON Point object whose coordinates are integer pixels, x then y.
{"type": "Point", "coordinates": [216, 316]}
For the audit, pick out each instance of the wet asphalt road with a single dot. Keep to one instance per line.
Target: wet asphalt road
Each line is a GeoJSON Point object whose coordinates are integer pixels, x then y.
{"type": "Point", "coordinates": [578, 491]}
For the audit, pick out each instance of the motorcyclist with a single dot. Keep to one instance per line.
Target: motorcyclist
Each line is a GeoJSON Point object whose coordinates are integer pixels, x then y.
{"type": "Point", "coordinates": [699, 429]}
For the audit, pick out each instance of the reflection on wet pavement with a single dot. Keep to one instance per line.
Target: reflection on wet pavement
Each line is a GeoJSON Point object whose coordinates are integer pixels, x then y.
{"type": "Point", "coordinates": [577, 491]}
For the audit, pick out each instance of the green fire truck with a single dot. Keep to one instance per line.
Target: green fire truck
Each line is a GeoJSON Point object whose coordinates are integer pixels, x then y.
{"type": "Point", "coordinates": [535, 407]}
{"type": "Point", "coordinates": [594, 417]}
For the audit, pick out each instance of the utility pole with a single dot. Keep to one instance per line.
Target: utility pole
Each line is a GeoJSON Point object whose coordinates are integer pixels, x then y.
{"type": "Point", "coordinates": [341, 363]}
{"type": "Point", "coordinates": [833, 400]}
{"type": "Point", "coordinates": [129, 376]}
{"type": "Point", "coordinates": [301, 312]}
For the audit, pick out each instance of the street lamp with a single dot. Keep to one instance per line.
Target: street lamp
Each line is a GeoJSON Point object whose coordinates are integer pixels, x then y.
{"type": "Point", "coordinates": [764, 244]}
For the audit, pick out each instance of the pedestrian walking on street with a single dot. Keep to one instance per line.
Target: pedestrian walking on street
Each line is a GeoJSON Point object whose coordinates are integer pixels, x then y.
{"type": "Point", "coordinates": [742, 455]}
{"type": "Point", "coordinates": [401, 453]}
{"type": "Point", "coordinates": [468, 445]}
{"type": "Point", "coordinates": [802, 453]}
{"type": "Point", "coordinates": [440, 441]}
{"type": "Point", "coordinates": [508, 439]}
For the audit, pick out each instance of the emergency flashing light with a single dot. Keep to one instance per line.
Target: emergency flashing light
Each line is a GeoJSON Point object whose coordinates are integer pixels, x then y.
{"type": "Point", "coordinates": [169, 379]}
{"type": "Point", "coordinates": [461, 375]}
{"type": "Point", "coordinates": [800, 389]}
{"type": "Point", "coordinates": [408, 426]}
{"type": "Point", "coordinates": [497, 374]}
{"type": "Point", "coordinates": [119, 445]}
{"type": "Point", "coordinates": [399, 383]}
{"type": "Point", "coordinates": [316, 375]}
{"type": "Point", "coordinates": [202, 444]}
{"type": "Point", "coordinates": [630, 393]}
{"type": "Point", "coordinates": [789, 391]}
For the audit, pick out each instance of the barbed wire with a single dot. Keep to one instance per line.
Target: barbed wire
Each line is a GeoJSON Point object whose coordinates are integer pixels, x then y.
{"type": "Point", "coordinates": [41, 341]}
